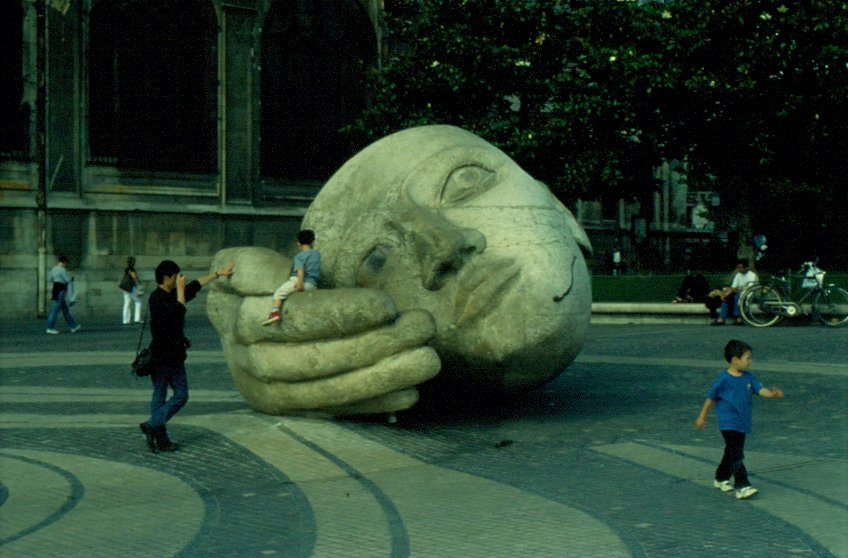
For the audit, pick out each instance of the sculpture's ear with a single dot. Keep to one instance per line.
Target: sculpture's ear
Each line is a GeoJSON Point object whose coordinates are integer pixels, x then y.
{"type": "Point", "coordinates": [576, 230]}
{"type": "Point", "coordinates": [578, 233]}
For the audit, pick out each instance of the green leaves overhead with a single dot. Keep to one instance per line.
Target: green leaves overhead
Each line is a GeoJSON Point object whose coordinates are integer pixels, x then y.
{"type": "Point", "coordinates": [589, 96]}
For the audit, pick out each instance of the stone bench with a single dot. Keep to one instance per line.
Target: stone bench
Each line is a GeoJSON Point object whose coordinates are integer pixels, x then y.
{"type": "Point", "coordinates": [649, 313]}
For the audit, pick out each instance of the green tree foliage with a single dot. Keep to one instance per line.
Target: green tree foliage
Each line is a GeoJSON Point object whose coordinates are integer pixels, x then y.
{"type": "Point", "coordinates": [590, 95]}
{"type": "Point", "coordinates": [533, 78]}
{"type": "Point", "coordinates": [765, 114]}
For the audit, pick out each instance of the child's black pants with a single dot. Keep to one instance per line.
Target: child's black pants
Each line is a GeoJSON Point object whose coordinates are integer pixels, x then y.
{"type": "Point", "coordinates": [731, 462]}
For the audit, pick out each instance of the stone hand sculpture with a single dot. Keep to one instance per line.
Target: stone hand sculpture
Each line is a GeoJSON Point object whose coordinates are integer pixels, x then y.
{"type": "Point", "coordinates": [442, 262]}
{"type": "Point", "coordinates": [336, 351]}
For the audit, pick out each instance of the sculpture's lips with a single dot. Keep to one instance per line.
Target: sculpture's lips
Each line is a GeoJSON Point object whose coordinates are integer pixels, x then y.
{"type": "Point", "coordinates": [481, 287]}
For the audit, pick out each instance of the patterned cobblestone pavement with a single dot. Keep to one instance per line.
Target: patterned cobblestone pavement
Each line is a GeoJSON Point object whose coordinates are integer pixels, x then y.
{"type": "Point", "coordinates": [603, 461]}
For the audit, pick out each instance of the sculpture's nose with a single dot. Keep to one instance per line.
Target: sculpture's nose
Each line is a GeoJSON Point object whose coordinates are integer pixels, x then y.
{"type": "Point", "coordinates": [440, 247]}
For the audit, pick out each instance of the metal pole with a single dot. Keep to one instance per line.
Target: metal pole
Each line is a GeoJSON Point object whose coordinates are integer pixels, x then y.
{"type": "Point", "coordinates": [665, 221]}
{"type": "Point", "coordinates": [41, 152]}
{"type": "Point", "coordinates": [223, 175]}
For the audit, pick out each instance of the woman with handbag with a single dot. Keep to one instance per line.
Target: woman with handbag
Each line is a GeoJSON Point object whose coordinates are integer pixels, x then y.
{"type": "Point", "coordinates": [132, 291]}
{"type": "Point", "coordinates": [166, 308]}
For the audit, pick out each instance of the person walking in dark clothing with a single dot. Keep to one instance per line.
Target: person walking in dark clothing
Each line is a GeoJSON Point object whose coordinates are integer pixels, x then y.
{"type": "Point", "coordinates": [166, 309]}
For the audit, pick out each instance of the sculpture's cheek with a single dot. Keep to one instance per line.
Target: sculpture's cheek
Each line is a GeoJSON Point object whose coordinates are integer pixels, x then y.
{"type": "Point", "coordinates": [535, 324]}
{"type": "Point", "coordinates": [530, 311]}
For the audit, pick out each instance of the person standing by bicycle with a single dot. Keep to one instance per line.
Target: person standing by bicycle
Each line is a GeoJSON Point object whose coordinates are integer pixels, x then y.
{"type": "Point", "coordinates": [730, 296]}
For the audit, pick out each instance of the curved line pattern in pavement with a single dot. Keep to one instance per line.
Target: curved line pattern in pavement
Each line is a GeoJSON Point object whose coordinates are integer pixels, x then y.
{"type": "Point", "coordinates": [430, 500]}
{"type": "Point", "coordinates": [126, 509]}
{"type": "Point", "coordinates": [51, 490]}
{"type": "Point", "coordinates": [360, 497]}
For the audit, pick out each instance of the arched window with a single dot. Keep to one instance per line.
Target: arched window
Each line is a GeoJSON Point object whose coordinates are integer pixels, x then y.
{"type": "Point", "coordinates": [14, 109]}
{"type": "Point", "coordinates": [315, 56]}
{"type": "Point", "coordinates": [152, 85]}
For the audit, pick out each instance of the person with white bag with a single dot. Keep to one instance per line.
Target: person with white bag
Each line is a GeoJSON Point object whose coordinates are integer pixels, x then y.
{"type": "Point", "coordinates": [60, 280]}
{"type": "Point", "coordinates": [132, 290]}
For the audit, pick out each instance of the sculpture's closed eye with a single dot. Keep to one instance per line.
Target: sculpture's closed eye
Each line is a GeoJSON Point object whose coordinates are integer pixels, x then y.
{"type": "Point", "coordinates": [372, 264]}
{"type": "Point", "coordinates": [467, 182]}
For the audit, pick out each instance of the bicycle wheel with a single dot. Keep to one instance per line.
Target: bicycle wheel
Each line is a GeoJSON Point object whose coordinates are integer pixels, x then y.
{"type": "Point", "coordinates": [754, 305]}
{"type": "Point", "coordinates": [830, 306]}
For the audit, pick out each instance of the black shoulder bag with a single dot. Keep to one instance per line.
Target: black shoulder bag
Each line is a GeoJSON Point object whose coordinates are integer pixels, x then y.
{"type": "Point", "coordinates": [143, 364]}
{"type": "Point", "coordinates": [127, 282]}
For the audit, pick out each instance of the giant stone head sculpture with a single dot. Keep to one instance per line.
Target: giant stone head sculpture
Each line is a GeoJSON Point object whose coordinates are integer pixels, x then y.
{"type": "Point", "coordinates": [444, 221]}
{"type": "Point", "coordinates": [441, 221]}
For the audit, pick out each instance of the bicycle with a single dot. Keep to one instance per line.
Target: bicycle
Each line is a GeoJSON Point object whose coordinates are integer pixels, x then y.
{"type": "Point", "coordinates": [763, 305]}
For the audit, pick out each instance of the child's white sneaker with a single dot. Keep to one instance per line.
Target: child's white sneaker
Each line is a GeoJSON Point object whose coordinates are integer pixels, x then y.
{"type": "Point", "coordinates": [746, 492]}
{"type": "Point", "coordinates": [272, 317]}
{"type": "Point", "coordinates": [724, 485]}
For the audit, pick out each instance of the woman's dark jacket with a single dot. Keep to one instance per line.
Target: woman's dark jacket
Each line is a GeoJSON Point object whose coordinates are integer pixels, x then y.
{"type": "Point", "coordinates": [167, 323]}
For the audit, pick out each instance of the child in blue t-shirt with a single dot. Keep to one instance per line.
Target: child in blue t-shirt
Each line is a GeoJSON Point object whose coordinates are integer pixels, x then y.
{"type": "Point", "coordinates": [305, 273]}
{"type": "Point", "coordinates": [732, 393]}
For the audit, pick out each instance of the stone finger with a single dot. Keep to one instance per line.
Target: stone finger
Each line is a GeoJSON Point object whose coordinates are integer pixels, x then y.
{"type": "Point", "coordinates": [387, 403]}
{"type": "Point", "coordinates": [314, 316]}
{"type": "Point", "coordinates": [395, 373]}
{"type": "Point", "coordinates": [222, 308]}
{"type": "Point", "coordinates": [257, 271]}
{"type": "Point", "coordinates": [293, 362]}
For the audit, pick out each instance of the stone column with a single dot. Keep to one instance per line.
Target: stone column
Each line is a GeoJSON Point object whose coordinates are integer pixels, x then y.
{"type": "Point", "coordinates": [64, 130]}
{"type": "Point", "coordinates": [238, 104]}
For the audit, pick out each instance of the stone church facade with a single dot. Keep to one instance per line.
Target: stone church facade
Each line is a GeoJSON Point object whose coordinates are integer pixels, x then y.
{"type": "Point", "coordinates": [161, 129]}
